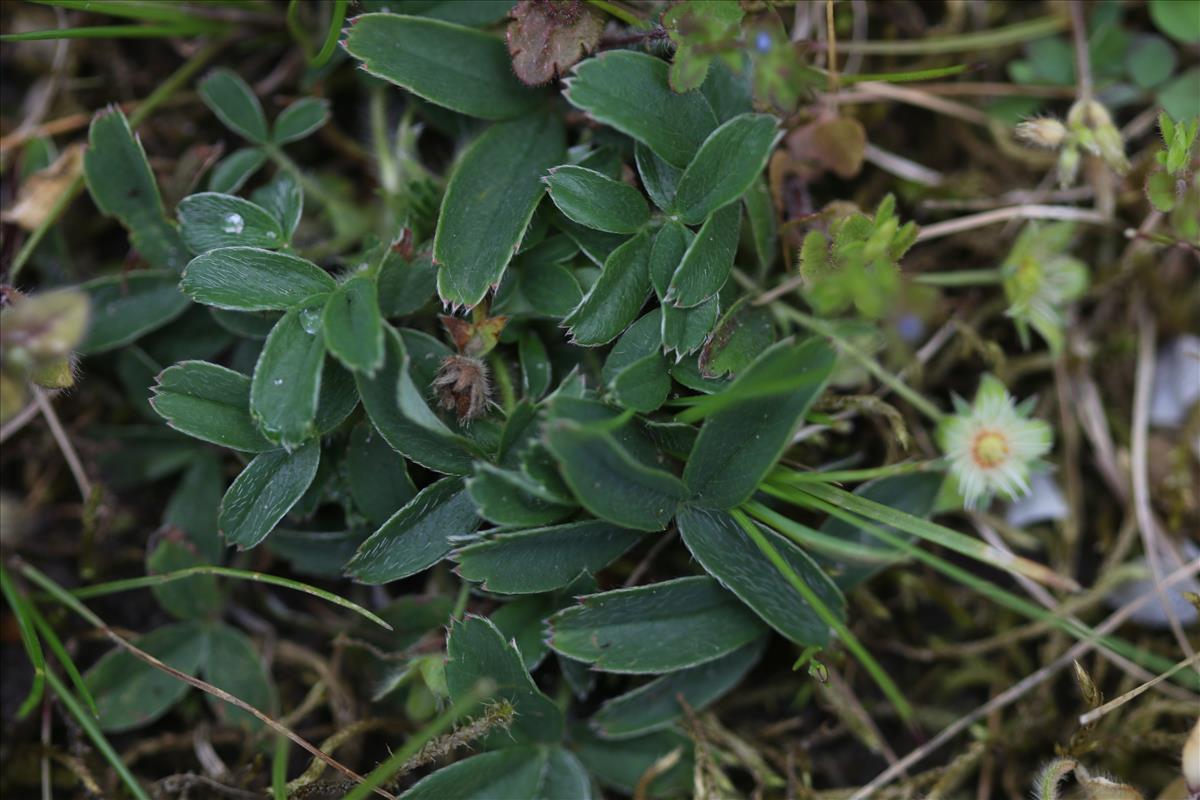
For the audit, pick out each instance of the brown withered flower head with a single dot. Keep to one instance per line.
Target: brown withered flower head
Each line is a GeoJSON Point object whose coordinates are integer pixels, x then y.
{"type": "Point", "coordinates": [463, 386]}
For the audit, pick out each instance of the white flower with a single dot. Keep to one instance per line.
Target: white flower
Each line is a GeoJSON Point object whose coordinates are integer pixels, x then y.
{"type": "Point", "coordinates": [992, 444]}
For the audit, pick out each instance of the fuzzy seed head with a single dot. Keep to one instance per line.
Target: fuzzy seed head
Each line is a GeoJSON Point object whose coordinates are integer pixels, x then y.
{"type": "Point", "coordinates": [1044, 132]}
{"type": "Point", "coordinates": [463, 386]}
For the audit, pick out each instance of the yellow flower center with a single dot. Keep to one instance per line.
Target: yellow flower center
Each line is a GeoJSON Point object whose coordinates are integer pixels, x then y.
{"type": "Point", "coordinates": [989, 449]}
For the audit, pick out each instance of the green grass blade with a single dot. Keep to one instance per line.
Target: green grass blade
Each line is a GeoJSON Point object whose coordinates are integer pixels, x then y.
{"type": "Point", "coordinates": [331, 38]}
{"type": "Point", "coordinates": [876, 671]}
{"type": "Point", "coordinates": [56, 646]}
{"type": "Point", "coordinates": [145, 10]}
{"type": "Point", "coordinates": [29, 639]}
{"type": "Point", "coordinates": [1002, 597]}
{"type": "Point", "coordinates": [823, 543]}
{"type": "Point", "coordinates": [225, 572]}
{"type": "Point", "coordinates": [940, 535]}
{"type": "Point", "coordinates": [279, 763]}
{"type": "Point", "coordinates": [908, 76]}
{"type": "Point", "coordinates": [93, 731]}
{"type": "Point", "coordinates": [113, 32]}
{"type": "Point", "coordinates": [1005, 36]}
{"type": "Point", "coordinates": [791, 476]}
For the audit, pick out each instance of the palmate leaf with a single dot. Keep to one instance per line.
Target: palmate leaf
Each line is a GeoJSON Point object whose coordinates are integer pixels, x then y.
{"type": "Point", "coordinates": [543, 559]}
{"type": "Point", "coordinates": [126, 307]}
{"type": "Point", "coordinates": [516, 773]}
{"type": "Point", "coordinates": [476, 650]}
{"type": "Point", "coordinates": [725, 551]}
{"type": "Point", "coordinates": [741, 442]}
{"type": "Point", "coordinates": [655, 705]}
{"type": "Point", "coordinates": [488, 203]}
{"type": "Point", "coordinates": [418, 535]}
{"type": "Point", "coordinates": [597, 201]}
{"type": "Point", "coordinates": [629, 91]}
{"type": "Point", "coordinates": [121, 183]}
{"type": "Point", "coordinates": [265, 491]}
{"type": "Point", "coordinates": [610, 482]}
{"type": "Point", "coordinates": [727, 164]}
{"type": "Point", "coordinates": [460, 68]}
{"type": "Point", "coordinates": [662, 627]}
{"type": "Point", "coordinates": [253, 279]}
{"type": "Point", "coordinates": [209, 220]}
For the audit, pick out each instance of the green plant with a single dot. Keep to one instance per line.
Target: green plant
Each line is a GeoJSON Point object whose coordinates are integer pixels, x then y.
{"type": "Point", "coordinates": [536, 385]}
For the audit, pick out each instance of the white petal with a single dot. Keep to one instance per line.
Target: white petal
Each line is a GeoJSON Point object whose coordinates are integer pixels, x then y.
{"type": "Point", "coordinates": [1043, 503]}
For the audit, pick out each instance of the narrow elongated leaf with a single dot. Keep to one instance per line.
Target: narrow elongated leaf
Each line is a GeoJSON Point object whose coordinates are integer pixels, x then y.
{"type": "Point", "coordinates": [489, 200]}
{"type": "Point", "coordinates": [209, 220]}
{"type": "Point", "coordinates": [739, 444]}
{"type": "Point", "coordinates": [209, 402]}
{"type": "Point", "coordinates": [742, 335]}
{"type": "Point", "coordinates": [662, 627]}
{"type": "Point", "coordinates": [300, 119]}
{"type": "Point", "coordinates": [656, 705]}
{"type": "Point", "coordinates": [232, 172]}
{"type": "Point", "coordinates": [760, 213]}
{"type": "Point", "coordinates": [234, 664]}
{"type": "Point", "coordinates": [708, 261]}
{"type": "Point", "coordinates": [126, 307]}
{"type": "Point", "coordinates": [376, 474]}
{"type": "Point", "coordinates": [120, 181]}
{"type": "Point", "coordinates": [475, 650]}
{"type": "Point", "coordinates": [338, 397]}
{"type": "Point", "coordinates": [911, 494]}
{"type": "Point", "coordinates": [130, 693]}
{"type": "Point", "coordinates": [611, 483]}
{"type": "Point", "coordinates": [448, 454]}
{"type": "Point", "coordinates": [253, 279]}
{"type": "Point", "coordinates": [264, 492]}
{"type": "Point", "coordinates": [617, 297]}
{"type": "Point", "coordinates": [629, 91]}
{"type": "Point", "coordinates": [509, 498]}
{"type": "Point", "coordinates": [287, 380]}
{"type": "Point", "coordinates": [635, 371]}
{"type": "Point", "coordinates": [353, 327]}
{"type": "Point", "coordinates": [659, 178]}
{"type": "Point", "coordinates": [727, 164]}
{"type": "Point", "coordinates": [670, 244]}
{"type": "Point", "coordinates": [596, 200]}
{"type": "Point", "coordinates": [460, 68]}
{"type": "Point", "coordinates": [718, 542]}
{"type": "Point", "coordinates": [235, 104]}
{"type": "Point", "coordinates": [543, 559]}
{"type": "Point", "coordinates": [515, 773]}
{"type": "Point", "coordinates": [684, 330]}
{"type": "Point", "coordinates": [284, 199]}
{"type": "Point", "coordinates": [416, 537]}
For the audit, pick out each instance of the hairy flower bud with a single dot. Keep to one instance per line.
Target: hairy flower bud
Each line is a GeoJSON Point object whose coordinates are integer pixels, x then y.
{"type": "Point", "coordinates": [463, 386]}
{"type": "Point", "coordinates": [1044, 132]}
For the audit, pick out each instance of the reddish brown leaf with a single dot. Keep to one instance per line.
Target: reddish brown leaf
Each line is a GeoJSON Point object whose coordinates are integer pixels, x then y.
{"type": "Point", "coordinates": [547, 37]}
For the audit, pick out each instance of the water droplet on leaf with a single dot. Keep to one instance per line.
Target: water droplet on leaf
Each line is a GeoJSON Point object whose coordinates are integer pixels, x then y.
{"type": "Point", "coordinates": [310, 320]}
{"type": "Point", "coordinates": [234, 223]}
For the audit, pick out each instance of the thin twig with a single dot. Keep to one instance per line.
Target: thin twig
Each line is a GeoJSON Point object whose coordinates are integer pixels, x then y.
{"type": "Point", "coordinates": [1024, 211]}
{"type": "Point", "coordinates": [18, 422]}
{"type": "Point", "coordinates": [1083, 62]}
{"type": "Point", "coordinates": [902, 167]}
{"type": "Point", "coordinates": [1117, 702]}
{"type": "Point", "coordinates": [64, 443]}
{"type": "Point", "coordinates": [1021, 688]}
{"type": "Point", "coordinates": [1040, 594]}
{"type": "Point", "coordinates": [1152, 535]}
